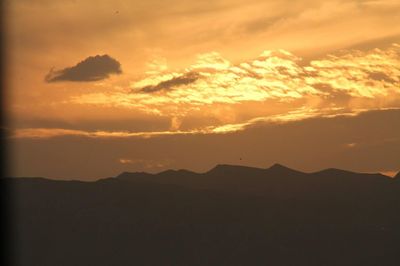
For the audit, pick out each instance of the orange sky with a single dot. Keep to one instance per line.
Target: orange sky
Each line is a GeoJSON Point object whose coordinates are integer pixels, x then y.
{"type": "Point", "coordinates": [182, 74]}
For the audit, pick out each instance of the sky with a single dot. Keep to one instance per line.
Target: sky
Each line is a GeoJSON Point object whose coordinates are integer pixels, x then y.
{"type": "Point", "coordinates": [95, 88]}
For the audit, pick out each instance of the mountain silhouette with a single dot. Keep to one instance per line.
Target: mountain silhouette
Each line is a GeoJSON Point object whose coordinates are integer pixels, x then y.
{"type": "Point", "coordinates": [277, 180]}
{"type": "Point", "coordinates": [229, 215]}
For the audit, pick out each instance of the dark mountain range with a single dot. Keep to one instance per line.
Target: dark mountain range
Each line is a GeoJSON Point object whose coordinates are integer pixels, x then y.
{"type": "Point", "coordinates": [276, 181]}
{"type": "Point", "coordinates": [230, 215]}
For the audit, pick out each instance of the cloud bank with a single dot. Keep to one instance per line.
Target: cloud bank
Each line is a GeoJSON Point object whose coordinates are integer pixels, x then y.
{"type": "Point", "coordinates": [349, 79]}
{"type": "Point", "coordinates": [214, 95]}
{"type": "Point", "coordinates": [91, 69]}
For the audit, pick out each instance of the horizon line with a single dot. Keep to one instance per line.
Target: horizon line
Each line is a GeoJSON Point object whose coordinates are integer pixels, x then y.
{"type": "Point", "coordinates": [396, 174]}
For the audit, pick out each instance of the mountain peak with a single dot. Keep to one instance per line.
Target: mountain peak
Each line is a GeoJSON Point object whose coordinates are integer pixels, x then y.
{"type": "Point", "coordinates": [278, 166]}
{"type": "Point", "coordinates": [282, 170]}
{"type": "Point", "coordinates": [335, 171]}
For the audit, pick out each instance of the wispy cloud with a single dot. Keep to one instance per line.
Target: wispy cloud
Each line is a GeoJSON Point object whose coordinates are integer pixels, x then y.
{"type": "Point", "coordinates": [146, 163]}
{"type": "Point", "coordinates": [181, 80]}
{"type": "Point", "coordinates": [298, 115]}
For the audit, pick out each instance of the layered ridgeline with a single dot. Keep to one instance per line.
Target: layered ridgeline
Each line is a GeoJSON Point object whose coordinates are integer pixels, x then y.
{"type": "Point", "coordinates": [230, 215]}
{"type": "Point", "coordinates": [276, 181]}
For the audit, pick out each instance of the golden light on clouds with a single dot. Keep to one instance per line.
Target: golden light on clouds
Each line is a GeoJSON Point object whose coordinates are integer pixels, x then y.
{"type": "Point", "coordinates": [223, 92]}
{"type": "Point", "coordinates": [350, 81]}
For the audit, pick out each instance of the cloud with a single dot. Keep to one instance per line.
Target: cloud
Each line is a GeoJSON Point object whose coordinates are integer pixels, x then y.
{"type": "Point", "coordinates": [278, 76]}
{"type": "Point", "coordinates": [183, 79]}
{"type": "Point", "coordinates": [91, 69]}
{"type": "Point", "coordinates": [219, 95]}
{"type": "Point", "coordinates": [43, 133]}
{"type": "Point", "coordinates": [298, 115]}
{"type": "Point", "coordinates": [146, 164]}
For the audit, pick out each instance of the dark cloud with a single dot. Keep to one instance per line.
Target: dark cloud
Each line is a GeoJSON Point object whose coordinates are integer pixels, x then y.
{"type": "Point", "coordinates": [91, 69]}
{"type": "Point", "coordinates": [174, 82]}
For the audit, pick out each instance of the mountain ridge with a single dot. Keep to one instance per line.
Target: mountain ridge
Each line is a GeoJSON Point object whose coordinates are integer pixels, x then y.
{"type": "Point", "coordinates": [277, 180]}
{"type": "Point", "coordinates": [276, 168]}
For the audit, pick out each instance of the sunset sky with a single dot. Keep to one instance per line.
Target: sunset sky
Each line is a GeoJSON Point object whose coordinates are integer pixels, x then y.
{"type": "Point", "coordinates": [95, 88]}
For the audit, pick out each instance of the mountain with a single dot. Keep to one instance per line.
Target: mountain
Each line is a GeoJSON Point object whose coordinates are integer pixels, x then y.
{"type": "Point", "coordinates": [277, 180]}
{"type": "Point", "coordinates": [230, 215]}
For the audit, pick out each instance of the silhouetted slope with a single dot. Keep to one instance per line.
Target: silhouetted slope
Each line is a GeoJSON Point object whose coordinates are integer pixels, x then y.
{"type": "Point", "coordinates": [333, 217]}
{"type": "Point", "coordinates": [277, 181]}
